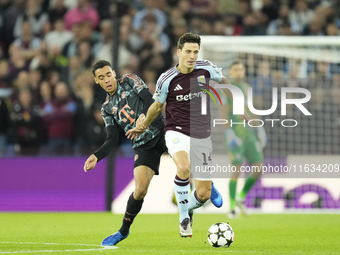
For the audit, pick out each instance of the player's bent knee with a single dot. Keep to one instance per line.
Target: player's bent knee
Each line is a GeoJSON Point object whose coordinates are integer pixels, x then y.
{"type": "Point", "coordinates": [140, 192]}
{"type": "Point", "coordinates": [203, 194]}
{"type": "Point", "coordinates": [183, 170]}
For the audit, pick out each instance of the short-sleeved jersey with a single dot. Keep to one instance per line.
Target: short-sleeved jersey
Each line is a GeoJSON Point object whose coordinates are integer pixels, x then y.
{"type": "Point", "coordinates": [125, 105]}
{"type": "Point", "coordinates": [239, 129]}
{"type": "Point", "coordinates": [182, 93]}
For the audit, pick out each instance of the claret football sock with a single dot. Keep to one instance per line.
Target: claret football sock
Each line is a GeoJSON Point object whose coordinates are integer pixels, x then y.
{"type": "Point", "coordinates": [182, 192]}
{"type": "Point", "coordinates": [132, 209]}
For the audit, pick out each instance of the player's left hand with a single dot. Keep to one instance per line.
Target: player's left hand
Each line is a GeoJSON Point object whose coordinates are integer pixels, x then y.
{"type": "Point", "coordinates": [134, 133]}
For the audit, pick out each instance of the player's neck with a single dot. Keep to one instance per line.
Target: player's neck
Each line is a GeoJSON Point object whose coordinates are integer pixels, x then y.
{"type": "Point", "coordinates": [115, 85]}
{"type": "Point", "coordinates": [184, 69]}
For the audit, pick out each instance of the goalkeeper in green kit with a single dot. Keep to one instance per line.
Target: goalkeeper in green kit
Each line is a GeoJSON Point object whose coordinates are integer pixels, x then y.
{"type": "Point", "coordinates": [241, 142]}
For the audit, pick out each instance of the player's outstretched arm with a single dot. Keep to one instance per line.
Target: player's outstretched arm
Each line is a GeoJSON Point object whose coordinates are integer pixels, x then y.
{"type": "Point", "coordinates": [154, 110]}
{"type": "Point", "coordinates": [110, 142]}
{"type": "Point", "coordinates": [90, 163]}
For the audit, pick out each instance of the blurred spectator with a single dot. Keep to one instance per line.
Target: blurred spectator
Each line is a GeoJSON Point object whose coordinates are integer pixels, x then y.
{"type": "Point", "coordinates": [17, 62]}
{"type": "Point", "coordinates": [230, 25]}
{"type": "Point", "coordinates": [150, 78]}
{"type": "Point", "coordinates": [73, 71]}
{"type": "Point", "coordinates": [269, 9]}
{"type": "Point", "coordinates": [57, 11]}
{"type": "Point", "coordinates": [285, 29]}
{"type": "Point", "coordinates": [83, 11]}
{"type": "Point", "coordinates": [45, 93]}
{"type": "Point", "coordinates": [332, 29]}
{"type": "Point", "coordinates": [185, 9]}
{"type": "Point", "coordinates": [251, 26]}
{"type": "Point", "coordinates": [34, 15]}
{"type": "Point", "coordinates": [45, 96]}
{"type": "Point", "coordinates": [180, 28]}
{"type": "Point", "coordinates": [150, 9]}
{"type": "Point", "coordinates": [85, 109]}
{"type": "Point", "coordinates": [86, 32]}
{"type": "Point", "coordinates": [20, 83]}
{"type": "Point", "coordinates": [59, 118]}
{"type": "Point", "coordinates": [301, 15]}
{"type": "Point", "coordinates": [4, 124]}
{"type": "Point", "coordinates": [25, 119]}
{"type": "Point", "coordinates": [263, 80]}
{"type": "Point", "coordinates": [42, 63]}
{"type": "Point", "coordinates": [85, 54]}
{"type": "Point", "coordinates": [34, 78]}
{"type": "Point", "coordinates": [59, 36]}
{"type": "Point", "coordinates": [209, 12]}
{"type": "Point", "coordinates": [27, 43]}
{"type": "Point", "coordinates": [5, 81]}
{"type": "Point", "coordinates": [275, 27]}
{"type": "Point", "coordinates": [9, 20]}
{"type": "Point", "coordinates": [70, 48]}
{"type": "Point", "coordinates": [315, 27]}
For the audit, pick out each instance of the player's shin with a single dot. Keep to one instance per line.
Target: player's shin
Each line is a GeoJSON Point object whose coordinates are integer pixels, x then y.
{"type": "Point", "coordinates": [132, 209]}
{"type": "Point", "coordinates": [182, 192]}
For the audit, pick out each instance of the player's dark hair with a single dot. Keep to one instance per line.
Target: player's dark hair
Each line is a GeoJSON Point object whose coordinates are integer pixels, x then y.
{"type": "Point", "coordinates": [188, 38]}
{"type": "Point", "coordinates": [99, 64]}
{"type": "Point", "coordinates": [235, 63]}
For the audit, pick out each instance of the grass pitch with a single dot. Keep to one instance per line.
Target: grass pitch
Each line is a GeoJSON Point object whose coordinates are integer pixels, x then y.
{"type": "Point", "coordinates": [82, 233]}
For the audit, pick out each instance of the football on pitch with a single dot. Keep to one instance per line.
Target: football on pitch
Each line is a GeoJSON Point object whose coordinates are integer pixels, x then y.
{"type": "Point", "coordinates": [221, 235]}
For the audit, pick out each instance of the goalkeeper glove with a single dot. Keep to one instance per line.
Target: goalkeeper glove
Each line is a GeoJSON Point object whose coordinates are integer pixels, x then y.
{"type": "Point", "coordinates": [231, 139]}
{"type": "Point", "coordinates": [261, 136]}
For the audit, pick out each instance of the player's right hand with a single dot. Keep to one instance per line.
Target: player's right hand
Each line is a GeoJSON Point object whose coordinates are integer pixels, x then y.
{"type": "Point", "coordinates": [231, 139]}
{"type": "Point", "coordinates": [90, 163]}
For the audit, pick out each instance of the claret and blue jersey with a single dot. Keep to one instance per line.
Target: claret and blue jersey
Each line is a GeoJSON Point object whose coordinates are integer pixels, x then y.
{"type": "Point", "coordinates": [183, 97]}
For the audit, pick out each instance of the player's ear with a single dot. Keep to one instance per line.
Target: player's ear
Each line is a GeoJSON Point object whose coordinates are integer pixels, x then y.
{"type": "Point", "coordinates": [114, 73]}
{"type": "Point", "coordinates": [179, 52]}
{"type": "Point", "coordinates": [95, 80]}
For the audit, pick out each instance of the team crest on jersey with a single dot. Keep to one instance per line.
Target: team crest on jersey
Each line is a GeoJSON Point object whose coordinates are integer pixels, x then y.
{"type": "Point", "coordinates": [114, 109]}
{"type": "Point", "coordinates": [136, 157]}
{"type": "Point", "coordinates": [175, 141]}
{"type": "Point", "coordinates": [123, 95]}
{"type": "Point", "coordinates": [201, 80]}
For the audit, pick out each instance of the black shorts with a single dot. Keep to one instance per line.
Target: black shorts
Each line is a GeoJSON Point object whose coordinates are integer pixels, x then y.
{"type": "Point", "coordinates": [149, 154]}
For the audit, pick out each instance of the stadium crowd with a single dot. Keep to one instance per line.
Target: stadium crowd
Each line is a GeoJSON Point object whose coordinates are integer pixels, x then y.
{"type": "Point", "coordinates": [49, 102]}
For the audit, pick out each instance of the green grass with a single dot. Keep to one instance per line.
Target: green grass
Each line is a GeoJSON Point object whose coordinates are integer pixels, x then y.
{"type": "Point", "coordinates": [44, 233]}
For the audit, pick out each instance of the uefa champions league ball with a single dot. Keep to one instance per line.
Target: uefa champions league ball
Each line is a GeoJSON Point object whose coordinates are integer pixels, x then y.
{"type": "Point", "coordinates": [220, 235]}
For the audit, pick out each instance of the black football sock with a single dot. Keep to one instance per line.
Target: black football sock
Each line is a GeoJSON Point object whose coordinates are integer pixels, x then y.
{"type": "Point", "coordinates": [132, 209]}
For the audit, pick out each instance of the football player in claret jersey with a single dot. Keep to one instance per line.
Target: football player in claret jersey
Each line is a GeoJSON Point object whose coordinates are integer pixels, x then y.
{"type": "Point", "coordinates": [241, 142]}
{"type": "Point", "coordinates": [188, 141]}
{"type": "Point", "coordinates": [128, 98]}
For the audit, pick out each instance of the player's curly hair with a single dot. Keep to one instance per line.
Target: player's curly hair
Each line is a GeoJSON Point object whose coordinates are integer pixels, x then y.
{"type": "Point", "coordinates": [188, 38]}
{"type": "Point", "coordinates": [99, 64]}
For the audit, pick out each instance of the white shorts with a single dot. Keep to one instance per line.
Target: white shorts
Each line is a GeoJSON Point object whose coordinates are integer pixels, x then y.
{"type": "Point", "coordinates": [199, 151]}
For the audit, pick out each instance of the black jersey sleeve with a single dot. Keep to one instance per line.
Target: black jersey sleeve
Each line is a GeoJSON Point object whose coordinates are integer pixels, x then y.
{"type": "Point", "coordinates": [110, 142]}
{"type": "Point", "coordinates": [146, 96]}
